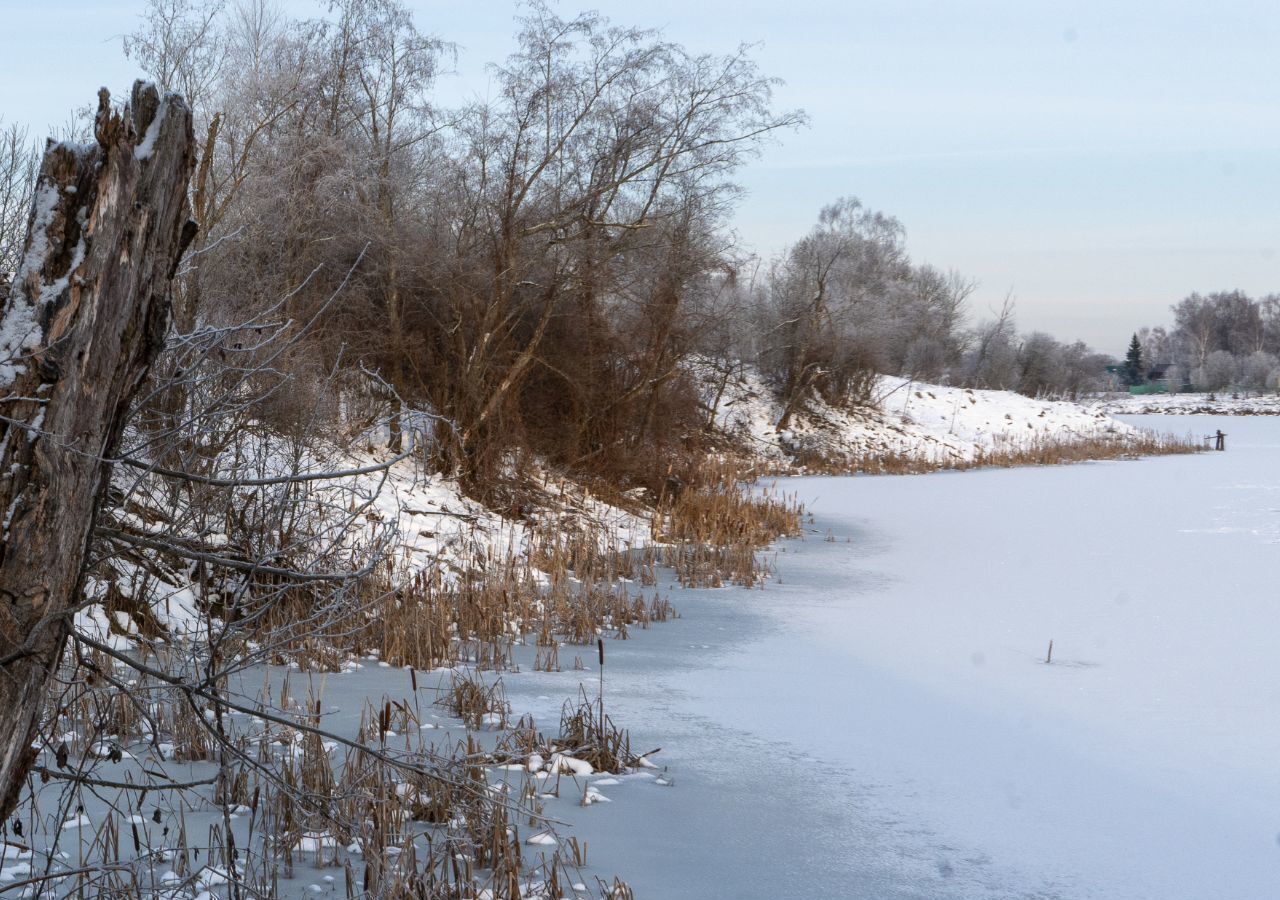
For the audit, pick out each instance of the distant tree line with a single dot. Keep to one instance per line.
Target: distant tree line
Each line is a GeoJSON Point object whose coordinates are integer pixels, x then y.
{"type": "Point", "coordinates": [1220, 341]}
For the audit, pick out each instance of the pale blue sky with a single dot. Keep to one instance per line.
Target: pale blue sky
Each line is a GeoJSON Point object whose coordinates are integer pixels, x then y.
{"type": "Point", "coordinates": [1100, 159]}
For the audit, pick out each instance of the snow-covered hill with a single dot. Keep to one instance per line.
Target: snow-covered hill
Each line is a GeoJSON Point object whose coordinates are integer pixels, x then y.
{"type": "Point", "coordinates": [926, 423]}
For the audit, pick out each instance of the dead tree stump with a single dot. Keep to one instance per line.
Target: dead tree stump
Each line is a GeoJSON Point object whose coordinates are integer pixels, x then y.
{"type": "Point", "coordinates": [85, 317]}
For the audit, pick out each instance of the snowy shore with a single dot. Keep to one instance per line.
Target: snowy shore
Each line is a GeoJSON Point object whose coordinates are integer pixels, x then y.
{"type": "Point", "coordinates": [929, 423]}
{"type": "Point", "coordinates": [1204, 404]}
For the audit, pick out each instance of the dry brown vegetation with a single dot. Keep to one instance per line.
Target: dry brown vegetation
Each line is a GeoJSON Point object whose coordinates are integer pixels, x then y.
{"type": "Point", "coordinates": [1037, 451]}
{"type": "Point", "coordinates": [570, 584]}
{"type": "Point", "coordinates": [712, 530]}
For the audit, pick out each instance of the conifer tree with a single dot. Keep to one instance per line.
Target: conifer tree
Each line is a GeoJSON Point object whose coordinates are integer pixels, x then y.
{"type": "Point", "coordinates": [1133, 367]}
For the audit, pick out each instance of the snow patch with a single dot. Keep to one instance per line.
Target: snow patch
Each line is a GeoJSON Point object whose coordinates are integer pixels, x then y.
{"type": "Point", "coordinates": [148, 145]}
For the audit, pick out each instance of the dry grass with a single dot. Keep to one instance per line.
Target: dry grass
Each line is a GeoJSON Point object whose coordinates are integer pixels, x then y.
{"type": "Point", "coordinates": [572, 581]}
{"type": "Point", "coordinates": [590, 735]}
{"type": "Point", "coordinates": [1037, 451]}
{"type": "Point", "coordinates": [479, 620]}
{"type": "Point", "coordinates": [713, 529]}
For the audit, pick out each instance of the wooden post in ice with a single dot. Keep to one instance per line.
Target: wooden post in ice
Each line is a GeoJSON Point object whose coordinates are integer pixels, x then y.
{"type": "Point", "coordinates": [600, 646]}
{"type": "Point", "coordinates": [85, 316]}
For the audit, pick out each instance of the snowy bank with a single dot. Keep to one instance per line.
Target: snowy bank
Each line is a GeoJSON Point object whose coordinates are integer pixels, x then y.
{"type": "Point", "coordinates": [340, 509]}
{"type": "Point", "coordinates": [926, 423]}
{"type": "Point", "coordinates": [1189, 405]}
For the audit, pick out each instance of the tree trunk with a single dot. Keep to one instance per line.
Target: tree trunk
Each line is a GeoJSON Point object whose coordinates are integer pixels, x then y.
{"type": "Point", "coordinates": [85, 317]}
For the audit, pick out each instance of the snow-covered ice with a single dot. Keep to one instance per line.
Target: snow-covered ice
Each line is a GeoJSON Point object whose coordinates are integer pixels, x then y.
{"type": "Point", "coordinates": [881, 723]}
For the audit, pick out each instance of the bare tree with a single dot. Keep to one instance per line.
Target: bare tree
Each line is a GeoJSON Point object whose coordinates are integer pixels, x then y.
{"type": "Point", "coordinates": [992, 358]}
{"type": "Point", "coordinates": [18, 163]}
{"type": "Point", "coordinates": [606, 151]}
{"type": "Point", "coordinates": [831, 294]}
{"type": "Point", "coordinates": [1195, 321]}
{"type": "Point", "coordinates": [385, 72]}
{"type": "Point", "coordinates": [180, 44]}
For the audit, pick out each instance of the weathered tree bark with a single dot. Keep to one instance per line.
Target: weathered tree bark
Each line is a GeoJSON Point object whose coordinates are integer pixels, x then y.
{"type": "Point", "coordinates": [85, 316]}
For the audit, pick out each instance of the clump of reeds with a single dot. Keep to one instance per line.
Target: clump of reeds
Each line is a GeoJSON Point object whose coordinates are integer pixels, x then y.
{"type": "Point", "coordinates": [477, 704]}
{"type": "Point", "coordinates": [615, 890]}
{"type": "Point", "coordinates": [589, 734]}
{"type": "Point", "coordinates": [713, 527]}
{"type": "Point", "coordinates": [182, 726]}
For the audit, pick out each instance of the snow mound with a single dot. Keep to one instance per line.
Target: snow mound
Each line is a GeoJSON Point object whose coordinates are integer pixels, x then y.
{"type": "Point", "coordinates": [926, 423]}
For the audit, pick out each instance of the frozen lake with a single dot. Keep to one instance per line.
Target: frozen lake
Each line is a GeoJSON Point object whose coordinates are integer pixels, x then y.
{"type": "Point", "coordinates": [882, 722]}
